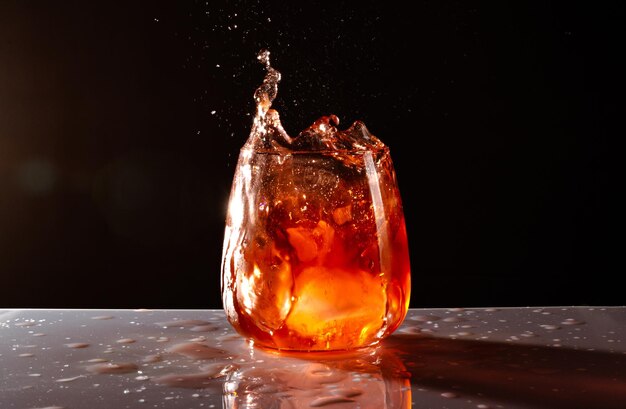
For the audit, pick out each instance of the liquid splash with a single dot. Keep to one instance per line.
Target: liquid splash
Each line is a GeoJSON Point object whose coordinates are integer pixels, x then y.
{"type": "Point", "coordinates": [315, 253]}
{"type": "Point", "coordinates": [268, 133]}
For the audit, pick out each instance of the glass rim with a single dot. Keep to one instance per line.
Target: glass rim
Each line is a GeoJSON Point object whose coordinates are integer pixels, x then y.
{"type": "Point", "coordinates": [321, 152]}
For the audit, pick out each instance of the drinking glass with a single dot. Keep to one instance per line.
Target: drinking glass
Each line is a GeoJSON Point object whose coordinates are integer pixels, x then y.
{"type": "Point", "coordinates": [315, 253]}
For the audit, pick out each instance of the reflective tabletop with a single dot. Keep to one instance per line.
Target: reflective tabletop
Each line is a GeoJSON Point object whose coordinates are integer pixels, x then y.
{"type": "Point", "coordinates": [530, 357]}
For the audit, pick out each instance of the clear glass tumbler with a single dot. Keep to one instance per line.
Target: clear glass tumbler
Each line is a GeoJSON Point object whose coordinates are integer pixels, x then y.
{"type": "Point", "coordinates": [315, 253]}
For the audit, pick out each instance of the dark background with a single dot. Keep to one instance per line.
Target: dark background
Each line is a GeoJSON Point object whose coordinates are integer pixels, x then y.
{"type": "Point", "coordinates": [120, 124]}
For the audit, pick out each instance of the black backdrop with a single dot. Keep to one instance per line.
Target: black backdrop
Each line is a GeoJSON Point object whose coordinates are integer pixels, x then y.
{"type": "Point", "coordinates": [120, 124]}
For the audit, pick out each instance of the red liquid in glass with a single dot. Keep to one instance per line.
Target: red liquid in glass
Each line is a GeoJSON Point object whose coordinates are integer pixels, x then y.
{"type": "Point", "coordinates": [315, 252]}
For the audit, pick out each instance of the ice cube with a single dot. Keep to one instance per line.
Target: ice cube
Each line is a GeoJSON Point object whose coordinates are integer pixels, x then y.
{"type": "Point", "coordinates": [333, 302]}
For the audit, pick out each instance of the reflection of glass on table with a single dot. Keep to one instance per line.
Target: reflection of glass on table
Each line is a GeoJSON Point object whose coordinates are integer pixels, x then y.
{"type": "Point", "coordinates": [372, 379]}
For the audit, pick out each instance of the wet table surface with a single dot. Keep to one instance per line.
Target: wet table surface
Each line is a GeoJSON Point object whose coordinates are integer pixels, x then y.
{"type": "Point", "coordinates": [529, 357]}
